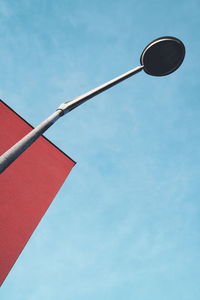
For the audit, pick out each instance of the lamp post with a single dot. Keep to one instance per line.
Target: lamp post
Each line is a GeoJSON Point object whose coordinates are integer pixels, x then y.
{"type": "Point", "coordinates": [161, 57]}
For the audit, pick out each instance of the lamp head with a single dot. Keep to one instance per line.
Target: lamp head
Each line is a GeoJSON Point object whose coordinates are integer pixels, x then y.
{"type": "Point", "coordinates": [163, 56]}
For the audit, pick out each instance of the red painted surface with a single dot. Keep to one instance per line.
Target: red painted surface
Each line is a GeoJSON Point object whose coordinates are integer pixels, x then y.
{"type": "Point", "coordinates": [27, 187]}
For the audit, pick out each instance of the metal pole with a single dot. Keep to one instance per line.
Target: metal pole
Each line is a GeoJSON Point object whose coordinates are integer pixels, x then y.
{"type": "Point", "coordinates": [69, 105]}
{"type": "Point", "coordinates": [15, 151]}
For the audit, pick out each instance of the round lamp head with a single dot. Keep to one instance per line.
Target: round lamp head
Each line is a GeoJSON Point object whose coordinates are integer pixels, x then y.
{"type": "Point", "coordinates": [163, 56]}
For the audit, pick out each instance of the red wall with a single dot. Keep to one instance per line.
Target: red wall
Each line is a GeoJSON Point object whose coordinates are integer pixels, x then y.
{"type": "Point", "coordinates": [27, 187]}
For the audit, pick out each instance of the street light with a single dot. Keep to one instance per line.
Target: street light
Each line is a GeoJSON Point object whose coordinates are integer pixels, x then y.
{"type": "Point", "coordinates": [161, 57]}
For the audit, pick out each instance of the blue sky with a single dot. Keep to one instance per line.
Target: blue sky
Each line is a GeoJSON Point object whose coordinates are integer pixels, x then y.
{"type": "Point", "coordinates": [125, 225]}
